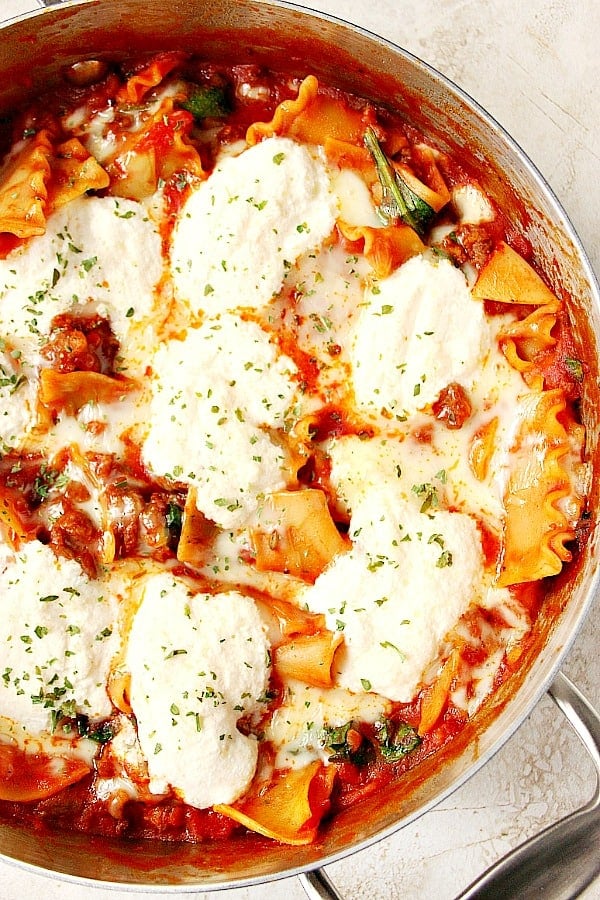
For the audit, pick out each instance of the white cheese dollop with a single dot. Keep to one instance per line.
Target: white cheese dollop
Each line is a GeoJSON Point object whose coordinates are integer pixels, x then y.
{"type": "Point", "coordinates": [241, 231]}
{"type": "Point", "coordinates": [58, 638]}
{"type": "Point", "coordinates": [407, 580]}
{"type": "Point", "coordinates": [355, 199]}
{"type": "Point", "coordinates": [471, 204]}
{"type": "Point", "coordinates": [198, 663]}
{"type": "Point", "coordinates": [102, 251]}
{"type": "Point", "coordinates": [213, 396]}
{"type": "Point", "coordinates": [418, 330]}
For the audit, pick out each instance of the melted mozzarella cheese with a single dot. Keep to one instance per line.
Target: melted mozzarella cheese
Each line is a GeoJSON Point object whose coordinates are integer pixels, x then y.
{"type": "Point", "coordinates": [471, 204]}
{"type": "Point", "coordinates": [297, 727]}
{"type": "Point", "coordinates": [418, 331]}
{"type": "Point", "coordinates": [58, 638]}
{"type": "Point", "coordinates": [198, 663]}
{"type": "Point", "coordinates": [99, 427]}
{"type": "Point", "coordinates": [241, 231]}
{"type": "Point", "coordinates": [497, 394]}
{"type": "Point", "coordinates": [98, 255]}
{"type": "Point", "coordinates": [355, 200]}
{"type": "Point", "coordinates": [214, 394]}
{"type": "Point", "coordinates": [408, 578]}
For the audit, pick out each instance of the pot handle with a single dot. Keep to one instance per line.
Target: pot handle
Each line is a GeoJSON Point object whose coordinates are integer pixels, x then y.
{"type": "Point", "coordinates": [556, 864]}
{"type": "Point", "coordinates": [563, 859]}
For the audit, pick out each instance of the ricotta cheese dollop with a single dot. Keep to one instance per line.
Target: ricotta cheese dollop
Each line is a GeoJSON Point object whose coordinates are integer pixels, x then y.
{"type": "Point", "coordinates": [102, 251]}
{"type": "Point", "coordinates": [198, 663]}
{"type": "Point", "coordinates": [239, 234]}
{"type": "Point", "coordinates": [214, 394]}
{"type": "Point", "coordinates": [418, 331]}
{"type": "Point", "coordinates": [58, 637]}
{"type": "Point", "coordinates": [408, 578]}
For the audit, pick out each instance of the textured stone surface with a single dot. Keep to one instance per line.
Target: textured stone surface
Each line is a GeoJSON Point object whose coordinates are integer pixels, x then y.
{"type": "Point", "coordinates": [534, 66]}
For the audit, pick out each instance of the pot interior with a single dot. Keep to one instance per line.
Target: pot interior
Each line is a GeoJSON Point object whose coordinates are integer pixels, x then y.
{"type": "Point", "coordinates": [33, 51]}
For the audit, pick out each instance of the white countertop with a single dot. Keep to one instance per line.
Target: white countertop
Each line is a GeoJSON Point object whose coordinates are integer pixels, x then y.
{"type": "Point", "coordinates": [535, 67]}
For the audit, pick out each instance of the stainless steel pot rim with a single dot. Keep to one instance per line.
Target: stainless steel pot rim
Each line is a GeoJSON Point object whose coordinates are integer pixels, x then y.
{"type": "Point", "coordinates": [547, 667]}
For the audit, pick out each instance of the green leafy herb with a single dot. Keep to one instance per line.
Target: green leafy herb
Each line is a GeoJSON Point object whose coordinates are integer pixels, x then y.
{"type": "Point", "coordinates": [575, 368]}
{"type": "Point", "coordinates": [207, 102]}
{"type": "Point", "coordinates": [396, 739]}
{"type": "Point", "coordinates": [444, 560]}
{"type": "Point", "coordinates": [387, 645]}
{"type": "Point", "coordinates": [399, 200]}
{"type": "Point", "coordinates": [173, 517]}
{"type": "Point", "coordinates": [346, 743]}
{"type": "Point", "coordinates": [100, 733]}
{"type": "Point", "coordinates": [428, 494]}
{"type": "Point", "coordinates": [46, 480]}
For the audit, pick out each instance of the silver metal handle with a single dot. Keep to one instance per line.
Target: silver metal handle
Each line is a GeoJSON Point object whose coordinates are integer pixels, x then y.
{"type": "Point", "coordinates": [564, 859]}
{"type": "Point", "coordinates": [318, 886]}
{"type": "Point", "coordinates": [559, 862]}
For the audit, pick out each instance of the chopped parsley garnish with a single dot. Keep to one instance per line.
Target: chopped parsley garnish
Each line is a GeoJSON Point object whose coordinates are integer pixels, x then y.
{"type": "Point", "coordinates": [46, 480]}
{"type": "Point", "coordinates": [428, 495]}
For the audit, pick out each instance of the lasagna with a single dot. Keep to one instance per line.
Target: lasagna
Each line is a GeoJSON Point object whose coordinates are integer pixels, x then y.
{"type": "Point", "coordinates": [290, 449]}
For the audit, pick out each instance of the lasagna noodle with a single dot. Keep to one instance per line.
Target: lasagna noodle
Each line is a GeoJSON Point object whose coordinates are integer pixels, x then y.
{"type": "Point", "coordinates": [27, 777]}
{"type": "Point", "coordinates": [155, 154]}
{"type": "Point", "coordinates": [508, 278]}
{"type": "Point", "coordinates": [427, 161]}
{"type": "Point", "coordinates": [308, 658]}
{"type": "Point", "coordinates": [350, 156]}
{"type": "Point", "coordinates": [522, 341]}
{"type": "Point", "coordinates": [23, 188]}
{"type": "Point", "coordinates": [386, 248]}
{"type": "Point", "coordinates": [140, 83]}
{"type": "Point", "coordinates": [70, 391]}
{"type": "Point", "coordinates": [482, 449]}
{"type": "Point", "coordinates": [196, 532]}
{"type": "Point", "coordinates": [283, 810]}
{"type": "Point", "coordinates": [435, 696]}
{"type": "Point", "coordinates": [74, 172]}
{"type": "Point", "coordinates": [41, 179]}
{"type": "Point", "coordinates": [312, 118]}
{"type": "Point", "coordinates": [303, 538]}
{"type": "Point", "coordinates": [536, 529]}
{"type": "Point", "coordinates": [435, 198]}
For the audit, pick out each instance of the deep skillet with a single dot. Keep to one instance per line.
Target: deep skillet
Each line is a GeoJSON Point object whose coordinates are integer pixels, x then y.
{"type": "Point", "coordinates": [33, 51]}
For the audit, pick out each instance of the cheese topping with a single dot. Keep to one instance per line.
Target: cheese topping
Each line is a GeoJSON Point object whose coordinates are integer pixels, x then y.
{"type": "Point", "coordinates": [419, 330]}
{"type": "Point", "coordinates": [18, 394]}
{"type": "Point", "coordinates": [198, 663]}
{"type": "Point", "coordinates": [76, 266]}
{"type": "Point", "coordinates": [408, 578]}
{"type": "Point", "coordinates": [58, 638]}
{"type": "Point", "coordinates": [241, 231]}
{"type": "Point", "coordinates": [214, 395]}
